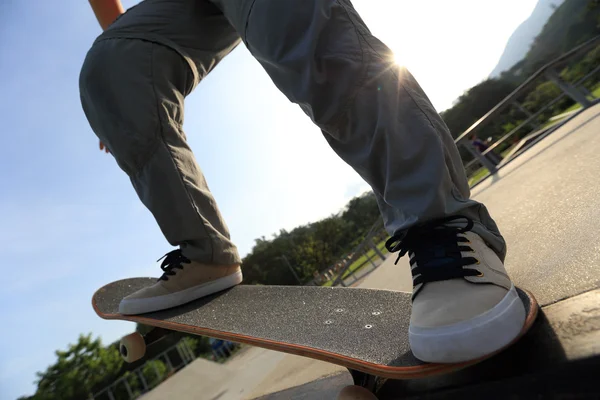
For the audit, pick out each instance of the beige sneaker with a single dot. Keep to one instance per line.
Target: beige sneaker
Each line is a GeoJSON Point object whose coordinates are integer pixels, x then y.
{"type": "Point", "coordinates": [183, 280]}
{"type": "Point", "coordinates": [464, 305]}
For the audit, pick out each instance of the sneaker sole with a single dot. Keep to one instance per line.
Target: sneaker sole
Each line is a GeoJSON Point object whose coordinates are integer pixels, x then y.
{"type": "Point", "coordinates": [150, 304]}
{"type": "Point", "coordinates": [472, 339]}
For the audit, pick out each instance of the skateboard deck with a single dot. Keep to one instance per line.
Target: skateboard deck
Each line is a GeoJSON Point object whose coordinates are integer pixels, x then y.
{"type": "Point", "coordinates": [362, 329]}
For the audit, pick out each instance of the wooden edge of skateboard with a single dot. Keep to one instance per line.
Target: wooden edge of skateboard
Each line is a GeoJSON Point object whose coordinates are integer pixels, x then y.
{"type": "Point", "coordinates": [390, 372]}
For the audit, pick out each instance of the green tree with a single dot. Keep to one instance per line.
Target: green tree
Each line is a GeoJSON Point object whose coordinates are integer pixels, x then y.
{"type": "Point", "coordinates": [541, 95]}
{"type": "Point", "coordinates": [578, 70]}
{"type": "Point", "coordinates": [199, 345]}
{"type": "Point", "coordinates": [312, 247]}
{"type": "Point", "coordinates": [475, 103]}
{"type": "Point", "coordinates": [360, 213]}
{"type": "Point", "coordinates": [78, 370]}
{"type": "Point", "coordinates": [154, 371]}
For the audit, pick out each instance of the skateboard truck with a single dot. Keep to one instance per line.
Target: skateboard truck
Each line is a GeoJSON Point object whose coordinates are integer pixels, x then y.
{"type": "Point", "coordinates": [133, 346]}
{"type": "Point", "coordinates": [370, 382]}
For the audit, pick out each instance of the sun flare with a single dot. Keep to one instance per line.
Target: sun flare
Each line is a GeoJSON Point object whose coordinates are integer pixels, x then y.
{"type": "Point", "coordinates": [397, 58]}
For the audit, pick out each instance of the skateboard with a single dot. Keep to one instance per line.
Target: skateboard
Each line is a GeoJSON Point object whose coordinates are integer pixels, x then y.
{"type": "Point", "coordinates": [364, 330]}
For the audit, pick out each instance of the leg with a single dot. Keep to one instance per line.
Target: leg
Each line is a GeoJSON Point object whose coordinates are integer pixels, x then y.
{"type": "Point", "coordinates": [373, 113]}
{"type": "Point", "coordinates": [132, 92]}
{"type": "Point", "coordinates": [322, 56]}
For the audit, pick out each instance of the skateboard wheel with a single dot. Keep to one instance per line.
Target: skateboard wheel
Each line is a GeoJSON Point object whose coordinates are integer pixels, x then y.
{"type": "Point", "coordinates": [132, 347]}
{"type": "Point", "coordinates": [355, 392]}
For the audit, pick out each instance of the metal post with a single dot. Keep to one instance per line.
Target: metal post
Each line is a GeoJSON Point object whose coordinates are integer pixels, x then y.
{"type": "Point", "coordinates": [129, 392]}
{"type": "Point", "coordinates": [341, 281]}
{"type": "Point", "coordinates": [291, 269]}
{"type": "Point", "coordinates": [569, 89]}
{"type": "Point", "coordinates": [188, 351]}
{"type": "Point", "coordinates": [168, 360]}
{"type": "Point", "coordinates": [521, 108]}
{"type": "Point", "coordinates": [482, 159]}
{"type": "Point", "coordinates": [370, 259]}
{"type": "Point", "coordinates": [377, 251]}
{"type": "Point", "coordinates": [158, 375]}
{"type": "Point", "coordinates": [527, 113]}
{"type": "Point", "coordinates": [181, 354]}
{"type": "Point", "coordinates": [585, 91]}
{"type": "Point", "coordinates": [192, 352]}
{"type": "Point", "coordinates": [143, 379]}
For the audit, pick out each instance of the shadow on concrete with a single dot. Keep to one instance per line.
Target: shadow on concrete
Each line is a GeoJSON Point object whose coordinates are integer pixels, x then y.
{"type": "Point", "coordinates": [559, 355]}
{"type": "Point", "coordinates": [219, 395]}
{"type": "Point", "coordinates": [576, 380]}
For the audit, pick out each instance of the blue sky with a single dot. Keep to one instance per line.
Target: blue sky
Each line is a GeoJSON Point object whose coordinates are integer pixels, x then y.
{"type": "Point", "coordinates": [71, 221]}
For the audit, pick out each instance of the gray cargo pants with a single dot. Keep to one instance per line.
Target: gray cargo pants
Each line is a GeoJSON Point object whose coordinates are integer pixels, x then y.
{"type": "Point", "coordinates": [322, 56]}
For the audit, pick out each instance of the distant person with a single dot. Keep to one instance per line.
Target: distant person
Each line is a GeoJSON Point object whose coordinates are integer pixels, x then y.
{"type": "Point", "coordinates": [482, 146]}
{"type": "Point", "coordinates": [374, 115]}
{"type": "Point", "coordinates": [479, 144]}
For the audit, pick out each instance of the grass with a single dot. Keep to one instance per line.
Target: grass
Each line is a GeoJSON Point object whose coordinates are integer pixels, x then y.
{"type": "Point", "coordinates": [362, 260]}
{"type": "Point", "coordinates": [595, 95]}
{"type": "Point", "coordinates": [576, 106]}
{"type": "Point", "coordinates": [359, 263]}
{"type": "Point", "coordinates": [478, 175]}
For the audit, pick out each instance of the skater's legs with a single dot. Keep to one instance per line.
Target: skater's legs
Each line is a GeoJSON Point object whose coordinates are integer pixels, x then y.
{"type": "Point", "coordinates": [373, 113]}
{"type": "Point", "coordinates": [133, 92]}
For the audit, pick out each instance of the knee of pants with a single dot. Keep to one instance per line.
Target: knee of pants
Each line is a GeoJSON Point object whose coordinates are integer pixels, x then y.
{"type": "Point", "coordinates": [317, 52]}
{"type": "Point", "coordinates": [119, 103]}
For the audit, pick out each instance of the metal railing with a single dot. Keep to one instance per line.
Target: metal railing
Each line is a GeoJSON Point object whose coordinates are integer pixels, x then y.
{"type": "Point", "coordinates": [575, 90]}
{"type": "Point", "coordinates": [137, 382]}
{"type": "Point", "coordinates": [372, 257]}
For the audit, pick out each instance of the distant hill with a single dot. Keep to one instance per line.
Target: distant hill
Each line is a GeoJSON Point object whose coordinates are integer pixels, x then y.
{"type": "Point", "coordinates": [522, 38]}
{"type": "Point", "coordinates": [573, 23]}
{"type": "Point", "coordinates": [570, 24]}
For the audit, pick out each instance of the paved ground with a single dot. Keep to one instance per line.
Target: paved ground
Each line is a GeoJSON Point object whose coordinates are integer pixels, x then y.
{"type": "Point", "coordinates": [546, 203]}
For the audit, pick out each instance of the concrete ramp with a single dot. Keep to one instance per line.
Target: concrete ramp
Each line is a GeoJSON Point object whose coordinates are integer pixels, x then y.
{"type": "Point", "coordinates": [201, 379]}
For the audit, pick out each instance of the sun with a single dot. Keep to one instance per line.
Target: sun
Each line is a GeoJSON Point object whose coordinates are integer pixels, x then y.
{"type": "Point", "coordinates": [397, 59]}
